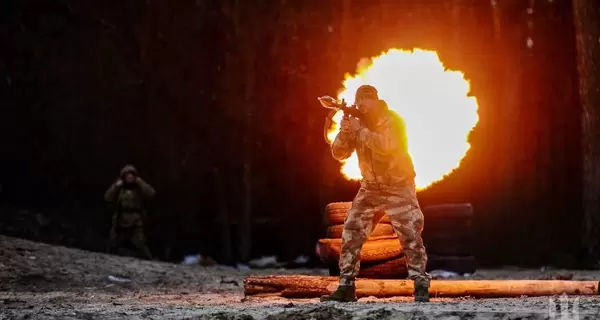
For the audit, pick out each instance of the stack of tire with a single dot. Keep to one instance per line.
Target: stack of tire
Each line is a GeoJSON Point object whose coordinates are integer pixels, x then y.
{"type": "Point", "coordinates": [447, 237]}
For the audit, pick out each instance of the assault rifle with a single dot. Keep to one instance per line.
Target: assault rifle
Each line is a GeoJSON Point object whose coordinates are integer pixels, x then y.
{"type": "Point", "coordinates": [335, 106]}
{"type": "Point", "coordinates": [331, 103]}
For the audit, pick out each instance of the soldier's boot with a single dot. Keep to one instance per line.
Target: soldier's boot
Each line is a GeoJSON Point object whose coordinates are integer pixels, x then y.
{"type": "Point", "coordinates": [139, 241]}
{"type": "Point", "coordinates": [111, 247]}
{"type": "Point", "coordinates": [143, 248]}
{"type": "Point", "coordinates": [421, 290]}
{"type": "Point", "coordinates": [146, 252]}
{"type": "Point", "coordinates": [342, 294]}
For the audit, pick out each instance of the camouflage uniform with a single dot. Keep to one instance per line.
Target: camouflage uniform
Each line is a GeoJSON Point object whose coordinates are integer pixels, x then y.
{"type": "Point", "coordinates": [127, 221]}
{"type": "Point", "coordinates": [387, 187]}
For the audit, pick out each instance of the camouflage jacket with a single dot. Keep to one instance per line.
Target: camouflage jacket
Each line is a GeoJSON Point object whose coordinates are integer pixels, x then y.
{"type": "Point", "coordinates": [382, 152]}
{"type": "Point", "coordinates": [130, 199]}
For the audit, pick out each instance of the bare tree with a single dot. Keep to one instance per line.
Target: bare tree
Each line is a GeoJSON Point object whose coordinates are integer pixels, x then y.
{"type": "Point", "coordinates": [251, 26]}
{"type": "Point", "coordinates": [587, 28]}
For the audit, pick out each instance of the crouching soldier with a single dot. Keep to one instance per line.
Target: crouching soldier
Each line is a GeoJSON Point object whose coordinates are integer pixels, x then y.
{"type": "Point", "coordinates": [129, 193]}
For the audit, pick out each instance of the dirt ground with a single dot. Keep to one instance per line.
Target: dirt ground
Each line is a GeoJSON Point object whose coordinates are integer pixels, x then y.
{"type": "Point", "coordinates": [39, 281]}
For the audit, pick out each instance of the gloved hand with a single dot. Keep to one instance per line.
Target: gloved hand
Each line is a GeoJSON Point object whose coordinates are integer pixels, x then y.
{"type": "Point", "coordinates": [350, 125]}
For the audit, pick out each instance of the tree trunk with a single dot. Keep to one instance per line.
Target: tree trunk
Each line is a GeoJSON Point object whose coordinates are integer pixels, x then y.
{"type": "Point", "coordinates": [497, 16]}
{"type": "Point", "coordinates": [506, 100]}
{"type": "Point", "coordinates": [587, 28]}
{"type": "Point", "coordinates": [250, 56]}
{"type": "Point", "coordinates": [246, 222]}
{"type": "Point", "coordinates": [241, 59]}
{"type": "Point", "coordinates": [314, 286]}
{"type": "Point", "coordinates": [223, 217]}
{"type": "Point", "coordinates": [346, 34]}
{"type": "Point", "coordinates": [146, 31]}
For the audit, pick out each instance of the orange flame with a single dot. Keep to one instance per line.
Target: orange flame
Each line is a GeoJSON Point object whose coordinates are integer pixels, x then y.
{"type": "Point", "coordinates": [433, 101]}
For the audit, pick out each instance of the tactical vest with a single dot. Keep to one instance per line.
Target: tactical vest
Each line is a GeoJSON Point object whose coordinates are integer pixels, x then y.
{"type": "Point", "coordinates": [130, 200]}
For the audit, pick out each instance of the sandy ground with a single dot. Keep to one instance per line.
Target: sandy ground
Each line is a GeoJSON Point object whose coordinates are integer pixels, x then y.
{"type": "Point", "coordinates": [39, 281]}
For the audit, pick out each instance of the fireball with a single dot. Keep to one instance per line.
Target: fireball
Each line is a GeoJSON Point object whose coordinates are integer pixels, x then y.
{"type": "Point", "coordinates": [434, 102]}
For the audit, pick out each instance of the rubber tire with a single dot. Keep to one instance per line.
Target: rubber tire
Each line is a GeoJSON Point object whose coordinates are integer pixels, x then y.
{"type": "Point", "coordinates": [458, 264]}
{"type": "Point", "coordinates": [445, 214]}
{"type": "Point", "coordinates": [389, 269]}
{"type": "Point", "coordinates": [447, 225]}
{"type": "Point", "coordinates": [448, 249]}
{"type": "Point", "coordinates": [373, 250]}
{"type": "Point", "coordinates": [445, 243]}
{"type": "Point", "coordinates": [449, 211]}
{"type": "Point", "coordinates": [336, 213]}
{"type": "Point", "coordinates": [338, 206]}
{"type": "Point", "coordinates": [447, 237]}
{"type": "Point", "coordinates": [381, 229]}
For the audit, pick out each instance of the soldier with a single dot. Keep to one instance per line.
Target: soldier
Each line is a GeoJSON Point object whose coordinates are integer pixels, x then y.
{"type": "Point", "coordinates": [129, 192]}
{"type": "Point", "coordinates": [387, 187]}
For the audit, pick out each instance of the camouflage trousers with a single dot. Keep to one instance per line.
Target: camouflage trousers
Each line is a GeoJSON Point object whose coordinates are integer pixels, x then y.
{"type": "Point", "coordinates": [368, 207]}
{"type": "Point", "coordinates": [128, 227]}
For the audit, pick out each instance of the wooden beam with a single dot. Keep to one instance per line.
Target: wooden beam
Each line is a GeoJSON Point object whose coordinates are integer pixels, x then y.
{"type": "Point", "coordinates": [299, 286]}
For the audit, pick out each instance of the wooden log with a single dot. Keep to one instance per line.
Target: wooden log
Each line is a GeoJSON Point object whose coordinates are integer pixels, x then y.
{"type": "Point", "coordinates": [380, 230]}
{"type": "Point", "coordinates": [395, 268]}
{"type": "Point", "coordinates": [374, 249]}
{"type": "Point", "coordinates": [336, 213]}
{"type": "Point", "coordinates": [299, 286]}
